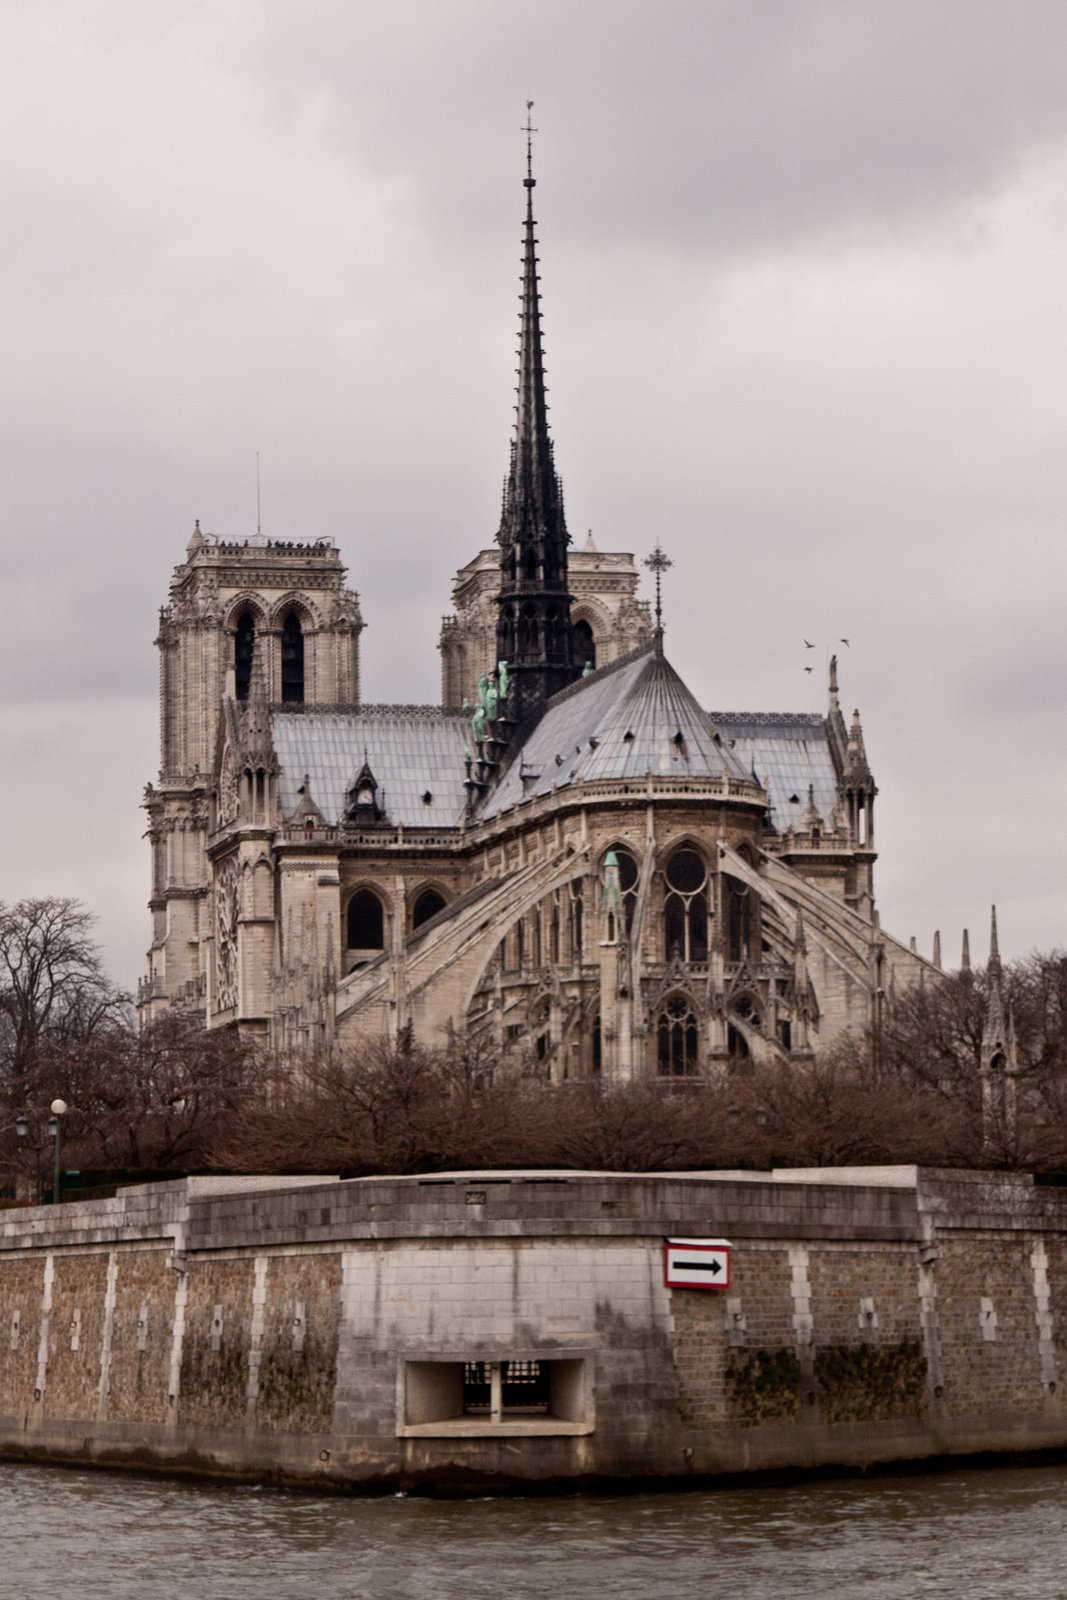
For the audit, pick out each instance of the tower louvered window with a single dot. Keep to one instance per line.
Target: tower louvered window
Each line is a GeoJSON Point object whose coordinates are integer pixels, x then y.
{"type": "Point", "coordinates": [292, 659]}
{"type": "Point", "coordinates": [244, 646]}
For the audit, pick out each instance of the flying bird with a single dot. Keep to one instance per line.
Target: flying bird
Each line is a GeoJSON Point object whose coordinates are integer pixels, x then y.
{"type": "Point", "coordinates": [809, 644]}
{"type": "Point", "coordinates": [809, 669]}
{"type": "Point", "coordinates": [845, 641]}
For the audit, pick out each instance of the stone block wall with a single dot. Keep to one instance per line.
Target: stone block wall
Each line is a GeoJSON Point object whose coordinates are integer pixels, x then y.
{"type": "Point", "coordinates": [282, 1331]}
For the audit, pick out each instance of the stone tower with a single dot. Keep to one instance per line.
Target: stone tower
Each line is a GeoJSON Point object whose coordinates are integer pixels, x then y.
{"type": "Point", "coordinates": [282, 606]}
{"type": "Point", "coordinates": [534, 625]}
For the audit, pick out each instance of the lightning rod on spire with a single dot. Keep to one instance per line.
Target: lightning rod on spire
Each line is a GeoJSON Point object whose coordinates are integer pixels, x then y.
{"type": "Point", "coordinates": [529, 130]}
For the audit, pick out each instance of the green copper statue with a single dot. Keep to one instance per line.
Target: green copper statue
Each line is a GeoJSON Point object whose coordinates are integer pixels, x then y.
{"type": "Point", "coordinates": [483, 690]}
{"type": "Point", "coordinates": [612, 890]}
{"type": "Point", "coordinates": [492, 701]}
{"type": "Point", "coordinates": [503, 678]}
{"type": "Point", "coordinates": [479, 725]}
{"type": "Point", "coordinates": [587, 670]}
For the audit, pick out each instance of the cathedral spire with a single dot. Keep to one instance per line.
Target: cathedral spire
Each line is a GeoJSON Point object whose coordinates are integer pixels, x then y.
{"type": "Point", "coordinates": [534, 628]}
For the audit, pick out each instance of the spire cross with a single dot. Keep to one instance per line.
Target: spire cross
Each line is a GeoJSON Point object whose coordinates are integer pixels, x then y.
{"type": "Point", "coordinates": [658, 563]}
{"type": "Point", "coordinates": [529, 130]}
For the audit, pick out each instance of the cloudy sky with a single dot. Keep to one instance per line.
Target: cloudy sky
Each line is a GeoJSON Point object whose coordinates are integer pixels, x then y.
{"type": "Point", "coordinates": [804, 272]}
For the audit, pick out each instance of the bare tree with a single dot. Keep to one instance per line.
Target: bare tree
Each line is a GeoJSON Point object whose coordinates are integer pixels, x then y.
{"type": "Point", "coordinates": [52, 983]}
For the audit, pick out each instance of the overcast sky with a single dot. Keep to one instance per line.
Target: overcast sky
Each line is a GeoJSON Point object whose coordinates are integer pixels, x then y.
{"type": "Point", "coordinates": [804, 272]}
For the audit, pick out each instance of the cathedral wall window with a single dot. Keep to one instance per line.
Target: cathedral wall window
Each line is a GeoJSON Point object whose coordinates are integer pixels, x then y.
{"type": "Point", "coordinates": [292, 660]}
{"type": "Point", "coordinates": [738, 919]}
{"type": "Point", "coordinates": [736, 1044]}
{"type": "Point", "coordinates": [427, 904]}
{"type": "Point", "coordinates": [575, 920]}
{"type": "Point", "coordinates": [365, 925]}
{"type": "Point", "coordinates": [685, 911]}
{"type": "Point", "coordinates": [584, 644]}
{"type": "Point", "coordinates": [677, 1038]}
{"type": "Point", "coordinates": [244, 645]}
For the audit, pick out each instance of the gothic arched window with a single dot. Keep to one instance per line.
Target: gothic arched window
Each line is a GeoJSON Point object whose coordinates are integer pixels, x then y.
{"type": "Point", "coordinates": [528, 630]}
{"type": "Point", "coordinates": [738, 918]}
{"type": "Point", "coordinates": [575, 909]}
{"type": "Point", "coordinates": [244, 647]}
{"type": "Point", "coordinates": [292, 659]}
{"type": "Point", "coordinates": [427, 905]}
{"type": "Point", "coordinates": [685, 913]}
{"type": "Point", "coordinates": [552, 632]}
{"type": "Point", "coordinates": [584, 644]}
{"type": "Point", "coordinates": [677, 1038]}
{"type": "Point", "coordinates": [365, 924]}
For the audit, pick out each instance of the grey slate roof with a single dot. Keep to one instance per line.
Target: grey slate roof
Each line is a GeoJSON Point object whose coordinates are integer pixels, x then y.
{"type": "Point", "coordinates": [792, 749]}
{"type": "Point", "coordinates": [411, 750]}
{"type": "Point", "coordinates": [622, 722]}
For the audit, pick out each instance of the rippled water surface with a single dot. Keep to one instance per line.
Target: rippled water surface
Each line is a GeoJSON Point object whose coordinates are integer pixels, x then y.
{"type": "Point", "coordinates": [968, 1535]}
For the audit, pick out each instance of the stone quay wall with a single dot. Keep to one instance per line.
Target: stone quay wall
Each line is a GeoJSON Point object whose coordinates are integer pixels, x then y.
{"type": "Point", "coordinates": [499, 1329]}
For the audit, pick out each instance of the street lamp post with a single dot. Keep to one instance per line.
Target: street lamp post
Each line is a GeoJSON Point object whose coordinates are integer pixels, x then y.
{"type": "Point", "coordinates": [55, 1126]}
{"type": "Point", "coordinates": [22, 1134]}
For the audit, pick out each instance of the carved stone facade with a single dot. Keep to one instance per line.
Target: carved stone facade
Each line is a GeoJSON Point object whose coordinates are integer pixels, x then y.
{"type": "Point", "coordinates": [286, 606]}
{"type": "Point", "coordinates": [583, 865]}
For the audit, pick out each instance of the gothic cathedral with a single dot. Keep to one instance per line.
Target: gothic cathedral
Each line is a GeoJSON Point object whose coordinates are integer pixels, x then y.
{"type": "Point", "coordinates": [570, 856]}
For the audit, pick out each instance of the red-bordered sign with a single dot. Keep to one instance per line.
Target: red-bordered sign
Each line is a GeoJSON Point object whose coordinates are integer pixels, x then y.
{"type": "Point", "coordinates": [697, 1264]}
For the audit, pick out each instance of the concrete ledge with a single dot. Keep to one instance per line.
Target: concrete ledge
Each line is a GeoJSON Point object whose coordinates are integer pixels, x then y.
{"type": "Point", "coordinates": [479, 1428]}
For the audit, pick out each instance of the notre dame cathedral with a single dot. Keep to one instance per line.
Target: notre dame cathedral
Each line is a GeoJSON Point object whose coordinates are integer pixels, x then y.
{"type": "Point", "coordinates": [569, 855]}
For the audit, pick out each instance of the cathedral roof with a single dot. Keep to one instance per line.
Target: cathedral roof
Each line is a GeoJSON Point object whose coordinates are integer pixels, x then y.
{"type": "Point", "coordinates": [413, 751]}
{"type": "Point", "coordinates": [630, 718]}
{"type": "Point", "coordinates": [792, 749]}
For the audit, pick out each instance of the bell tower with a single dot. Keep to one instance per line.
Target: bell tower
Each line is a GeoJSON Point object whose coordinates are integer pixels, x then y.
{"type": "Point", "coordinates": [534, 633]}
{"type": "Point", "coordinates": [283, 606]}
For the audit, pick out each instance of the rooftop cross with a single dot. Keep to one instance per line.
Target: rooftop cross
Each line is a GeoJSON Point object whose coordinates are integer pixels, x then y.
{"type": "Point", "coordinates": [658, 563]}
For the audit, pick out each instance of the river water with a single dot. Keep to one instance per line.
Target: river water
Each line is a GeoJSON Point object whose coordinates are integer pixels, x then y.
{"type": "Point", "coordinates": [968, 1534]}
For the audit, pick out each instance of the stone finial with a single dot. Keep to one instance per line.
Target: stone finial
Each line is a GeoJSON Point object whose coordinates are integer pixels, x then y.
{"type": "Point", "coordinates": [965, 954]}
{"type": "Point", "coordinates": [937, 950]}
{"type": "Point", "coordinates": [994, 944]}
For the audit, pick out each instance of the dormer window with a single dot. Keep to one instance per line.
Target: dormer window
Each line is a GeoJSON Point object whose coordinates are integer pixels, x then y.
{"type": "Point", "coordinates": [363, 806]}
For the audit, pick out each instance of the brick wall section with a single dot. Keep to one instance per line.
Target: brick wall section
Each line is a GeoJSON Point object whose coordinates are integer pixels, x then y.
{"type": "Point", "coordinates": [978, 1372]}
{"type": "Point", "coordinates": [21, 1288]}
{"type": "Point", "coordinates": [841, 1276]}
{"type": "Point", "coordinates": [298, 1358]}
{"type": "Point", "coordinates": [759, 1287]}
{"type": "Point", "coordinates": [137, 1378]}
{"type": "Point", "coordinates": [214, 1382]}
{"type": "Point", "coordinates": [73, 1377]}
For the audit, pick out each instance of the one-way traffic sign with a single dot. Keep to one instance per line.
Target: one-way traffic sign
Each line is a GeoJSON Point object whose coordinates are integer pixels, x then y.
{"type": "Point", "coordinates": [698, 1264]}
